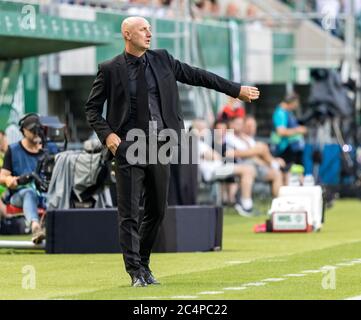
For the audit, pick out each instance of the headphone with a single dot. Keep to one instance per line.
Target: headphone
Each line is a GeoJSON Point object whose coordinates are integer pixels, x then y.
{"type": "Point", "coordinates": [21, 121]}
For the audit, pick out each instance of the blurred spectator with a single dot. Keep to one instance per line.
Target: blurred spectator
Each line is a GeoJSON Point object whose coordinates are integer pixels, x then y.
{"type": "Point", "coordinates": [229, 189]}
{"type": "Point", "coordinates": [22, 158]}
{"type": "Point", "coordinates": [287, 138]}
{"type": "Point", "coordinates": [233, 108]}
{"type": "Point", "coordinates": [253, 14]}
{"type": "Point", "coordinates": [232, 10]}
{"type": "Point", "coordinates": [158, 8]}
{"type": "Point", "coordinates": [3, 145]}
{"type": "Point", "coordinates": [249, 134]}
{"type": "Point", "coordinates": [139, 8]}
{"type": "Point", "coordinates": [220, 131]}
{"type": "Point", "coordinates": [3, 148]}
{"type": "Point", "coordinates": [212, 167]}
{"type": "Point", "coordinates": [205, 8]}
{"type": "Point", "coordinates": [246, 150]}
{"type": "Point", "coordinates": [165, 9]}
{"type": "Point", "coordinates": [257, 19]}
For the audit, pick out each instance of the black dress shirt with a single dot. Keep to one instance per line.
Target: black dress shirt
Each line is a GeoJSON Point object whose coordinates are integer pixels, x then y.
{"type": "Point", "coordinates": [153, 92]}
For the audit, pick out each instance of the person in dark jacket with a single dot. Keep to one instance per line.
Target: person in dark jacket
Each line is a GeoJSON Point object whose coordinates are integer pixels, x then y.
{"type": "Point", "coordinates": [140, 87]}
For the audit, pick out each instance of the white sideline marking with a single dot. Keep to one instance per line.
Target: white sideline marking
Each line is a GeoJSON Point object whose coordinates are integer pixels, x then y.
{"type": "Point", "coordinates": [345, 264]}
{"type": "Point", "coordinates": [273, 279]}
{"type": "Point", "coordinates": [265, 281]}
{"type": "Point", "coordinates": [356, 261]}
{"type": "Point", "coordinates": [254, 284]}
{"type": "Point", "coordinates": [276, 260]}
{"type": "Point", "coordinates": [238, 262]}
{"type": "Point", "coordinates": [311, 271]}
{"type": "Point", "coordinates": [211, 292]}
{"type": "Point", "coordinates": [152, 298]}
{"type": "Point", "coordinates": [327, 268]}
{"type": "Point", "coordinates": [354, 298]}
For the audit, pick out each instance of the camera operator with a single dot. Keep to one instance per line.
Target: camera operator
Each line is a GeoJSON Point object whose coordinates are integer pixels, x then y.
{"type": "Point", "coordinates": [287, 139]}
{"type": "Point", "coordinates": [22, 158]}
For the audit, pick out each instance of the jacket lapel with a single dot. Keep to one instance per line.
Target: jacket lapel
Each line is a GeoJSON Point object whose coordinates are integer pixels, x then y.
{"type": "Point", "coordinates": [123, 75]}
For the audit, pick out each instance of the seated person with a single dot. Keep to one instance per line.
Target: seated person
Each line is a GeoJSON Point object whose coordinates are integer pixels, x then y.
{"type": "Point", "coordinates": [230, 190]}
{"type": "Point", "coordinates": [246, 150]}
{"type": "Point", "coordinates": [287, 137]}
{"type": "Point", "coordinates": [22, 158]}
{"type": "Point", "coordinates": [3, 148]}
{"type": "Point", "coordinates": [249, 134]}
{"type": "Point", "coordinates": [213, 167]}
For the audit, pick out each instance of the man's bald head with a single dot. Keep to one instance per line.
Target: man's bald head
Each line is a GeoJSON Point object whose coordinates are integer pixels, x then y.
{"type": "Point", "coordinates": [137, 34]}
{"type": "Point", "coordinates": [130, 23]}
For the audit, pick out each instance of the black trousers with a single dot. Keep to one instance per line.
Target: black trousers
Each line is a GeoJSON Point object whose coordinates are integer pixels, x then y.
{"type": "Point", "coordinates": [137, 237]}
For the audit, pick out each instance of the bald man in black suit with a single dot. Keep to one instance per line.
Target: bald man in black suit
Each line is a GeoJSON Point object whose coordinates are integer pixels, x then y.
{"type": "Point", "coordinates": [140, 87]}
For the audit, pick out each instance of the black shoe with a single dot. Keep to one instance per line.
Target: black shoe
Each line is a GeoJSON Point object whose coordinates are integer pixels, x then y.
{"type": "Point", "coordinates": [149, 278]}
{"type": "Point", "coordinates": [138, 281]}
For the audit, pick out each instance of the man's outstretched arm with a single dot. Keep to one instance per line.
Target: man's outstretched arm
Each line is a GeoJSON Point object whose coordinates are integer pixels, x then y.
{"type": "Point", "coordinates": [198, 77]}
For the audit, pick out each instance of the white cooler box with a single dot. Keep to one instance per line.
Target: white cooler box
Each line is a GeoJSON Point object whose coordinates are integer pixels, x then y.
{"type": "Point", "coordinates": [297, 209]}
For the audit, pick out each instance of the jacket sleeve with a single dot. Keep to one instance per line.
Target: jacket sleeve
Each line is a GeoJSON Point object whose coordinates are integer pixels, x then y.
{"type": "Point", "coordinates": [94, 107]}
{"type": "Point", "coordinates": [198, 77]}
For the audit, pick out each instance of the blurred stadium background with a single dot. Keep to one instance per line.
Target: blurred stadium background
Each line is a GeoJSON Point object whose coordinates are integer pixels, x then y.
{"type": "Point", "coordinates": [50, 51]}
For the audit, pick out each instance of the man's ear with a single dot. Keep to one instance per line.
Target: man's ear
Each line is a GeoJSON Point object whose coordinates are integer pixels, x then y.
{"type": "Point", "coordinates": [127, 35]}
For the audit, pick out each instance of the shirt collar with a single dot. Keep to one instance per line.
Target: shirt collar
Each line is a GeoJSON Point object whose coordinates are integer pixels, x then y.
{"type": "Point", "coordinates": [134, 59]}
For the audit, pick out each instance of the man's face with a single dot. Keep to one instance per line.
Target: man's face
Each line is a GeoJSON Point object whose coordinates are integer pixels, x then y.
{"type": "Point", "coordinates": [32, 137]}
{"type": "Point", "coordinates": [250, 127]}
{"type": "Point", "coordinates": [140, 34]}
{"type": "Point", "coordinates": [293, 105]}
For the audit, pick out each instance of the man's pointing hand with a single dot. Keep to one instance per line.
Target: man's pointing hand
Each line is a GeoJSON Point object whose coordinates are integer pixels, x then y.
{"type": "Point", "coordinates": [247, 94]}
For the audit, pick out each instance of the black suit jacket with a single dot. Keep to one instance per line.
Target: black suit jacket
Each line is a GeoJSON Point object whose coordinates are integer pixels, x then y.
{"type": "Point", "coordinates": [111, 85]}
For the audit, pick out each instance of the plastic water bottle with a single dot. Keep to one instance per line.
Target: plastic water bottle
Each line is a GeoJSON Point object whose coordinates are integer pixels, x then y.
{"type": "Point", "coordinates": [294, 180]}
{"type": "Point", "coordinates": [296, 175]}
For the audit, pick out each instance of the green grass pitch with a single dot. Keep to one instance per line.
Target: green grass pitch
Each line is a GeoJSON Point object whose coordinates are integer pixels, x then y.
{"type": "Point", "coordinates": [250, 266]}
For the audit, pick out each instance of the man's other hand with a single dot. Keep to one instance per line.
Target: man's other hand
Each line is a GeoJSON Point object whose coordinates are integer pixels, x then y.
{"type": "Point", "coordinates": [112, 141]}
{"type": "Point", "coordinates": [247, 94]}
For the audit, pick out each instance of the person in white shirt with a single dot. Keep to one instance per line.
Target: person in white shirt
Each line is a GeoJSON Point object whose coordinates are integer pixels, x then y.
{"type": "Point", "coordinates": [249, 134]}
{"type": "Point", "coordinates": [213, 167]}
{"type": "Point", "coordinates": [246, 150]}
